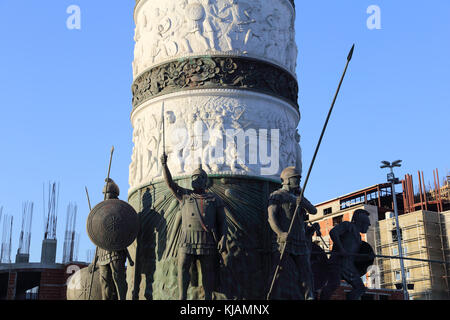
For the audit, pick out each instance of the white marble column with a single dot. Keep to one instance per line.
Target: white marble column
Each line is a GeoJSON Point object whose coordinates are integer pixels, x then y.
{"type": "Point", "coordinates": [222, 67]}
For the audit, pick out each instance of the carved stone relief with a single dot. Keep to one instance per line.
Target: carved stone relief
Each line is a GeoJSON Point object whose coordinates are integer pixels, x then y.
{"type": "Point", "coordinates": [206, 129]}
{"type": "Point", "coordinates": [168, 29]}
{"type": "Point", "coordinates": [215, 72]}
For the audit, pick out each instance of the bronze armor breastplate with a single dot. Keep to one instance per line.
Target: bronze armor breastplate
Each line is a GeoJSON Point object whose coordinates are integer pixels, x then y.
{"type": "Point", "coordinates": [287, 212]}
{"type": "Point", "coordinates": [193, 208]}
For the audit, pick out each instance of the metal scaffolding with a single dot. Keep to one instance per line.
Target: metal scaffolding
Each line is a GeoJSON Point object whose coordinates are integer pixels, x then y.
{"type": "Point", "coordinates": [5, 251]}
{"type": "Point", "coordinates": [25, 233]}
{"type": "Point", "coordinates": [51, 210]}
{"type": "Point", "coordinates": [422, 238]}
{"type": "Point", "coordinates": [436, 199]}
{"type": "Point", "coordinates": [70, 250]}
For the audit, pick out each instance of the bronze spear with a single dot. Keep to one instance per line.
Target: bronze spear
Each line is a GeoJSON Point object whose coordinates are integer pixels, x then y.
{"type": "Point", "coordinates": [89, 202]}
{"type": "Point", "coordinates": [164, 128]}
{"type": "Point", "coordinates": [349, 58]}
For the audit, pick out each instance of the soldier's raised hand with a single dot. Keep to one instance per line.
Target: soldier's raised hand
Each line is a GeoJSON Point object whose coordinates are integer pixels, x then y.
{"type": "Point", "coordinates": [164, 159]}
{"type": "Point", "coordinates": [283, 237]}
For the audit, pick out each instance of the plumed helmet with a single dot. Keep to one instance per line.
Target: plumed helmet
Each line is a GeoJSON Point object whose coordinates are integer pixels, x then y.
{"type": "Point", "coordinates": [287, 173]}
{"type": "Point", "coordinates": [199, 171]}
{"type": "Point", "coordinates": [112, 187]}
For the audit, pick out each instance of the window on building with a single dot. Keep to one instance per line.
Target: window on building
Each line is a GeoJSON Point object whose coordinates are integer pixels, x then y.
{"type": "Point", "coordinates": [32, 294]}
{"type": "Point", "coordinates": [395, 251]}
{"type": "Point", "coordinates": [327, 211]}
{"type": "Point", "coordinates": [398, 275]}
{"type": "Point", "coordinates": [394, 235]}
{"type": "Point", "coordinates": [337, 220]}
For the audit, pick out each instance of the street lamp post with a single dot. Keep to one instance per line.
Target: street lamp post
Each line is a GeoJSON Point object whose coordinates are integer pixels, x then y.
{"type": "Point", "coordinates": [393, 180]}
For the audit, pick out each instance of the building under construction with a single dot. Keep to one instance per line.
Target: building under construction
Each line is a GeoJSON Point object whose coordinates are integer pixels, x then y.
{"type": "Point", "coordinates": [424, 220]}
{"type": "Point", "coordinates": [44, 280]}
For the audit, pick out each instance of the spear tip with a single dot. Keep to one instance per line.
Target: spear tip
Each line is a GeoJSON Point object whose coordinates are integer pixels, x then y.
{"type": "Point", "coordinates": [350, 55]}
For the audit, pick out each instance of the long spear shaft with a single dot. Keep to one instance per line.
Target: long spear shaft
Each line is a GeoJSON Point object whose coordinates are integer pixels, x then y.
{"type": "Point", "coordinates": [96, 249]}
{"type": "Point", "coordinates": [89, 202]}
{"type": "Point", "coordinates": [349, 58]}
{"type": "Point", "coordinates": [109, 170]}
{"type": "Point", "coordinates": [164, 129]}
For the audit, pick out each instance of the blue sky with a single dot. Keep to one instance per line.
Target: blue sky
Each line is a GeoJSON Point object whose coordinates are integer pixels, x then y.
{"type": "Point", "coordinates": [65, 99]}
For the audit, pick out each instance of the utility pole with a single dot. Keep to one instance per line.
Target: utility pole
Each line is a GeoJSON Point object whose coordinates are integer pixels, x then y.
{"type": "Point", "coordinates": [393, 180]}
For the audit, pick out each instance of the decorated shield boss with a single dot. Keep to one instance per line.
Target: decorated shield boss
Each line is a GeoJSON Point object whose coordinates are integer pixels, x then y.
{"type": "Point", "coordinates": [112, 225]}
{"type": "Point", "coordinates": [362, 265]}
{"type": "Point", "coordinates": [79, 284]}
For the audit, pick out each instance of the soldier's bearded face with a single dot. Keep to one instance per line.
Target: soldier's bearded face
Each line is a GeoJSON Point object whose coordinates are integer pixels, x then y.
{"type": "Point", "coordinates": [198, 182]}
{"type": "Point", "coordinates": [294, 182]}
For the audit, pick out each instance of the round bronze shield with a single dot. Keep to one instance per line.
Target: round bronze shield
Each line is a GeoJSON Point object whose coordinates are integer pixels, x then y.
{"type": "Point", "coordinates": [112, 225]}
{"type": "Point", "coordinates": [79, 283]}
{"type": "Point", "coordinates": [362, 265]}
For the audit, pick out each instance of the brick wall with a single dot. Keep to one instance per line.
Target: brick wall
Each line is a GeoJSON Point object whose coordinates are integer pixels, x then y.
{"type": "Point", "coordinates": [12, 286]}
{"type": "Point", "coordinates": [52, 286]}
{"type": "Point", "coordinates": [54, 282]}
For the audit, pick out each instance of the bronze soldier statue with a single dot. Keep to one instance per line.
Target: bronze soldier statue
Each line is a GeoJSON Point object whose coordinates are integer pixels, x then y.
{"type": "Point", "coordinates": [111, 264]}
{"type": "Point", "coordinates": [347, 242]}
{"type": "Point", "coordinates": [203, 229]}
{"type": "Point", "coordinates": [282, 205]}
